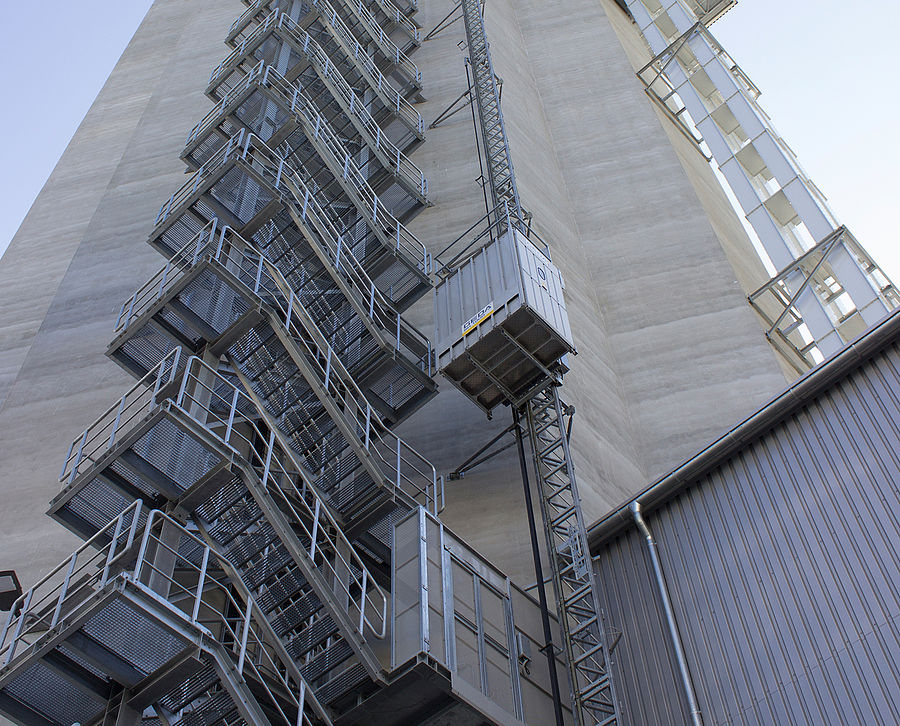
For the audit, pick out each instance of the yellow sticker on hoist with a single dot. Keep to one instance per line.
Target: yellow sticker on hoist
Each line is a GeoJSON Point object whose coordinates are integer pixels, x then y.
{"type": "Point", "coordinates": [478, 318]}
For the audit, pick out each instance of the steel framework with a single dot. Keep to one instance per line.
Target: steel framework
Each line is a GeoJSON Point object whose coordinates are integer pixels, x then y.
{"type": "Point", "coordinates": [239, 502]}
{"type": "Point", "coordinates": [713, 101]}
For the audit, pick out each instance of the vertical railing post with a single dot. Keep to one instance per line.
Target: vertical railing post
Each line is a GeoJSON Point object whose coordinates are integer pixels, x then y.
{"type": "Point", "coordinates": [201, 583]}
{"type": "Point", "coordinates": [362, 599]}
{"type": "Point", "coordinates": [78, 456]}
{"type": "Point", "coordinates": [244, 635]}
{"type": "Point", "coordinates": [21, 624]}
{"type": "Point", "coordinates": [115, 426]}
{"type": "Point", "coordinates": [315, 530]}
{"type": "Point", "coordinates": [64, 590]}
{"type": "Point", "coordinates": [112, 549]}
{"type": "Point", "coordinates": [231, 412]}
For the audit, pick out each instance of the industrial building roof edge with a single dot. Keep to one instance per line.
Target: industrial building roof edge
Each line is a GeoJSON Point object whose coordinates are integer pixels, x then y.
{"type": "Point", "coordinates": [793, 397]}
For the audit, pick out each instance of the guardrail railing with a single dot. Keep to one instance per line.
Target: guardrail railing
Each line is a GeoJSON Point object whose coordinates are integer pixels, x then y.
{"type": "Point", "coordinates": [206, 594]}
{"type": "Point", "coordinates": [280, 474]}
{"type": "Point", "coordinates": [303, 42]}
{"type": "Point", "coordinates": [100, 437]}
{"type": "Point", "coordinates": [387, 46]}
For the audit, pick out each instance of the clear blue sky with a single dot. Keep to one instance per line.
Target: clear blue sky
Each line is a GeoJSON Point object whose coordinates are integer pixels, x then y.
{"type": "Point", "coordinates": [822, 66]}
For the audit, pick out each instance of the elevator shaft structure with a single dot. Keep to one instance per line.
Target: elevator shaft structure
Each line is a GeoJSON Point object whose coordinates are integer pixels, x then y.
{"type": "Point", "coordinates": [517, 358]}
{"type": "Point", "coordinates": [826, 289]}
{"type": "Point", "coordinates": [501, 178]}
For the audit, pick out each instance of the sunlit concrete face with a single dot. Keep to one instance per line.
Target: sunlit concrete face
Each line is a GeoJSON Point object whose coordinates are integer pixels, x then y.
{"type": "Point", "coordinates": [80, 252]}
{"type": "Point", "coordinates": [670, 354]}
{"type": "Point", "coordinates": [669, 351]}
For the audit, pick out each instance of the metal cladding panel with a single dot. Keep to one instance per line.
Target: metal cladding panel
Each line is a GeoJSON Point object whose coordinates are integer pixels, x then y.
{"type": "Point", "coordinates": [489, 278]}
{"type": "Point", "coordinates": [501, 277]}
{"type": "Point", "coordinates": [783, 565]}
{"type": "Point", "coordinates": [543, 286]}
{"type": "Point", "coordinates": [501, 326]}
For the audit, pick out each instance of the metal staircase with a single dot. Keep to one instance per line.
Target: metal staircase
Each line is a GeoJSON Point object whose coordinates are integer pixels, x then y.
{"type": "Point", "coordinates": [243, 503]}
{"type": "Point", "coordinates": [272, 441]}
{"type": "Point", "coordinates": [145, 614]}
{"type": "Point", "coordinates": [319, 42]}
{"type": "Point", "coordinates": [266, 104]}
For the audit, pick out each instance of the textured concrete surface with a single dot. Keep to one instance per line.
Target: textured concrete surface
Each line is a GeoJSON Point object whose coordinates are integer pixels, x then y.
{"type": "Point", "coordinates": [670, 354]}
{"type": "Point", "coordinates": [79, 253]}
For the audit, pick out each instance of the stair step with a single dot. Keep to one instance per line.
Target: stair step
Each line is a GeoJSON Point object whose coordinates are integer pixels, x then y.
{"type": "Point", "coordinates": [327, 660]}
{"type": "Point", "coordinates": [342, 684]}
{"type": "Point", "coordinates": [311, 637]}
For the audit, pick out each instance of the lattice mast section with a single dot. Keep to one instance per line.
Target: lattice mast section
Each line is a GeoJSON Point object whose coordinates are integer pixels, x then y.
{"type": "Point", "coordinates": [574, 583]}
{"type": "Point", "coordinates": [501, 176]}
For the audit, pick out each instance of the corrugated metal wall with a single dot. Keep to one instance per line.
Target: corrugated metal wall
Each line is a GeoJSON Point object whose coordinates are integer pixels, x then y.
{"type": "Point", "coordinates": [783, 564]}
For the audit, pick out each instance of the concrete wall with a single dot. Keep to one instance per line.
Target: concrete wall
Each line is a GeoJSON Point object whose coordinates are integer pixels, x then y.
{"type": "Point", "coordinates": [80, 252]}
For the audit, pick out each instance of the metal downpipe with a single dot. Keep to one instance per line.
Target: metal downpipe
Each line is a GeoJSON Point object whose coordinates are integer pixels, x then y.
{"type": "Point", "coordinates": [686, 682]}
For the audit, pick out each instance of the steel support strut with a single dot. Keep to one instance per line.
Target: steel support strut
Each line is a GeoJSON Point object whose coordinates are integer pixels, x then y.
{"type": "Point", "coordinates": [573, 577]}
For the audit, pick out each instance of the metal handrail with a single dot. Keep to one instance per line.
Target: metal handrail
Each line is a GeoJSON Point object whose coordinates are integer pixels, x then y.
{"type": "Point", "coordinates": [87, 569]}
{"type": "Point", "coordinates": [358, 52]}
{"type": "Point", "coordinates": [305, 43]}
{"type": "Point", "coordinates": [279, 474]}
{"type": "Point", "coordinates": [319, 129]}
{"type": "Point", "coordinates": [244, 19]}
{"type": "Point", "coordinates": [277, 172]}
{"type": "Point", "coordinates": [344, 166]}
{"type": "Point", "coordinates": [404, 23]}
{"type": "Point", "coordinates": [90, 446]}
{"type": "Point", "coordinates": [391, 12]}
{"type": "Point", "coordinates": [187, 190]}
{"type": "Point", "coordinates": [211, 240]}
{"type": "Point", "coordinates": [376, 33]}
{"type": "Point", "coordinates": [389, 154]}
{"type": "Point", "coordinates": [223, 607]}
{"type": "Point", "coordinates": [224, 106]}
{"type": "Point", "coordinates": [118, 419]}
{"type": "Point", "coordinates": [209, 601]}
{"type": "Point", "coordinates": [160, 284]}
{"type": "Point", "coordinates": [401, 464]}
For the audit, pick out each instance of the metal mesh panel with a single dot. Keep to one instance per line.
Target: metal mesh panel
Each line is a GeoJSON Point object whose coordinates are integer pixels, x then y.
{"type": "Point", "coordinates": [212, 142]}
{"type": "Point", "coordinates": [214, 711]}
{"type": "Point", "coordinates": [242, 195]}
{"type": "Point", "coordinates": [133, 636]}
{"type": "Point", "coordinates": [183, 230]}
{"type": "Point", "coordinates": [147, 347]}
{"type": "Point", "coordinates": [98, 503]}
{"type": "Point", "coordinates": [176, 453]}
{"type": "Point", "coordinates": [213, 301]}
{"type": "Point", "coordinates": [47, 692]}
